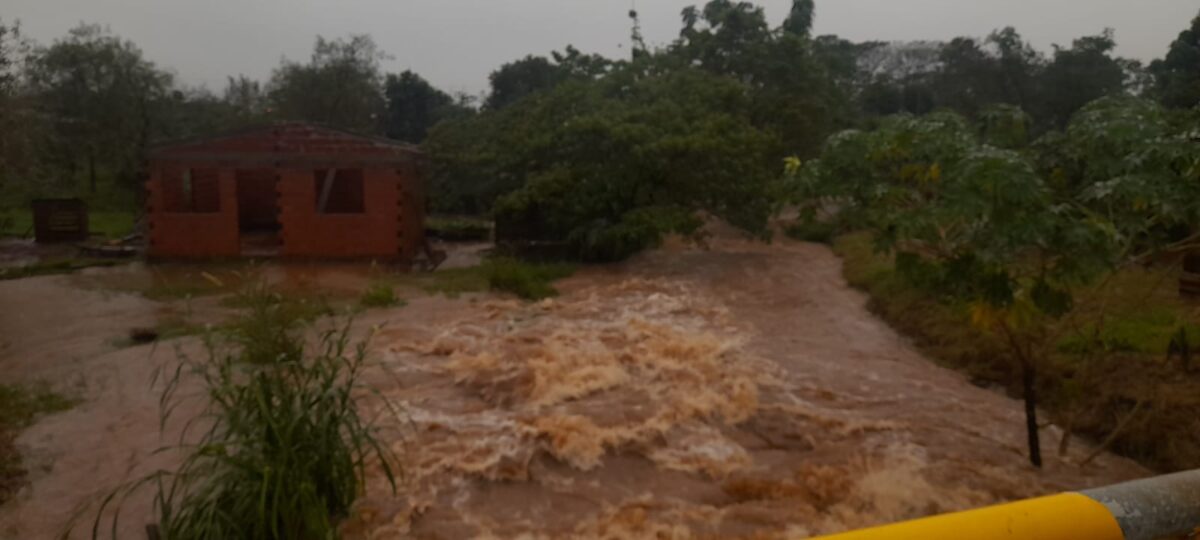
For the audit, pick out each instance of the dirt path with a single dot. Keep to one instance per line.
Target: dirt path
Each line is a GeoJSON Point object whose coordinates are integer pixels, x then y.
{"type": "Point", "coordinates": [742, 391]}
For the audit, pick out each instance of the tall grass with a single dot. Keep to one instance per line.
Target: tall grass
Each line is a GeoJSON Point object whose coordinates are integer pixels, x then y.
{"type": "Point", "coordinates": [282, 450]}
{"type": "Point", "coordinates": [380, 294]}
{"type": "Point", "coordinates": [531, 281]}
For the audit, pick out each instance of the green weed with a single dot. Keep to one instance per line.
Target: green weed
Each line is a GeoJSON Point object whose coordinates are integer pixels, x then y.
{"type": "Point", "coordinates": [380, 294]}
{"type": "Point", "coordinates": [20, 406]}
{"type": "Point", "coordinates": [531, 281]}
{"type": "Point", "coordinates": [284, 449]}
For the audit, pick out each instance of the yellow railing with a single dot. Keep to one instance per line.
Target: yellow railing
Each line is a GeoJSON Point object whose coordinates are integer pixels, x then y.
{"type": "Point", "coordinates": [1152, 509]}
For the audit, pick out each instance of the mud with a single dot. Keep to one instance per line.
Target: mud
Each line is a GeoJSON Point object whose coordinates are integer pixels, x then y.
{"type": "Point", "coordinates": [742, 391]}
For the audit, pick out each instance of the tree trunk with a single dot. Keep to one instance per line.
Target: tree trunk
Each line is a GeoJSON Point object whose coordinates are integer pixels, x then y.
{"type": "Point", "coordinates": [92, 172]}
{"type": "Point", "coordinates": [1031, 425]}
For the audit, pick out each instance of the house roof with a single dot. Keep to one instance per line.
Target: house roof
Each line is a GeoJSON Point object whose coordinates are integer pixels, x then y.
{"type": "Point", "coordinates": [290, 143]}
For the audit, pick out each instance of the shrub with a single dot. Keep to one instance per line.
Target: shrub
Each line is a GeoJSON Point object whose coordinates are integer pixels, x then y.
{"type": "Point", "coordinates": [380, 295]}
{"type": "Point", "coordinates": [284, 451]}
{"type": "Point", "coordinates": [527, 280]}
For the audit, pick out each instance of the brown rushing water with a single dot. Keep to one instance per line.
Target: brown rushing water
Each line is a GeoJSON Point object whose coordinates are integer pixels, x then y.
{"type": "Point", "coordinates": [742, 391]}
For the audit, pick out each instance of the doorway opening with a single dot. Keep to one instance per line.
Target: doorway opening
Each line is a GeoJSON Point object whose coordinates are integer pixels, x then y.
{"type": "Point", "coordinates": [258, 212]}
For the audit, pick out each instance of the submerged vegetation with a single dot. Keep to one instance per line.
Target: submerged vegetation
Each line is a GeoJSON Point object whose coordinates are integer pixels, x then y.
{"type": "Point", "coordinates": [380, 294]}
{"type": "Point", "coordinates": [20, 406]}
{"type": "Point", "coordinates": [530, 281]}
{"type": "Point", "coordinates": [283, 446]}
{"type": "Point", "coordinates": [527, 280]}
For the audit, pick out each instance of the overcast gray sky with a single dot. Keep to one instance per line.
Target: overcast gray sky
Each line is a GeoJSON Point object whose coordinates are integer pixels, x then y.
{"type": "Point", "coordinates": [456, 43]}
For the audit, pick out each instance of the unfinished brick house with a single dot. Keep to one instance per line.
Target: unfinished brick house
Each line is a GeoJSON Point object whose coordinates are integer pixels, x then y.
{"type": "Point", "coordinates": [290, 190]}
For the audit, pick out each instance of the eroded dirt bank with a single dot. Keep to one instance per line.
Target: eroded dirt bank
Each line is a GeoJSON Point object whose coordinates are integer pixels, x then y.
{"type": "Point", "coordinates": [742, 391]}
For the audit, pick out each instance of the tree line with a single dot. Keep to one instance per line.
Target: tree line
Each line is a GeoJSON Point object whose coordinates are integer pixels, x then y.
{"type": "Point", "coordinates": [604, 155]}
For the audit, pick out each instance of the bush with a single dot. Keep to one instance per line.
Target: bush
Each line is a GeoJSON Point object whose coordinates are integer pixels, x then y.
{"type": "Point", "coordinates": [380, 295]}
{"type": "Point", "coordinates": [812, 231]}
{"type": "Point", "coordinates": [527, 280]}
{"type": "Point", "coordinates": [284, 451]}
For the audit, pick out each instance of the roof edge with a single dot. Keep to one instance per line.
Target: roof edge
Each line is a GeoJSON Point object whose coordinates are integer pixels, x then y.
{"type": "Point", "coordinates": [165, 145]}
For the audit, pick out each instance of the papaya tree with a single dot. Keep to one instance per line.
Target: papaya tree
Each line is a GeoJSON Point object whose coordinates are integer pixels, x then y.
{"type": "Point", "coordinates": [973, 224]}
{"type": "Point", "coordinates": [993, 239]}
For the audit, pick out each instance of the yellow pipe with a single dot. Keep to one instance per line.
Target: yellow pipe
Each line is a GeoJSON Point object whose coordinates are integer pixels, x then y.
{"type": "Point", "coordinates": [1069, 516]}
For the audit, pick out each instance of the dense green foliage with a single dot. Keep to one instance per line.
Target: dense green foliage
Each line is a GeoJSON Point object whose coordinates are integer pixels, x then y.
{"type": "Point", "coordinates": [682, 139]}
{"type": "Point", "coordinates": [607, 157]}
{"type": "Point", "coordinates": [414, 106]}
{"type": "Point", "coordinates": [1014, 233]}
{"type": "Point", "coordinates": [340, 85]}
{"type": "Point", "coordinates": [1177, 77]}
{"type": "Point", "coordinates": [601, 155]}
{"type": "Point", "coordinates": [1103, 376]}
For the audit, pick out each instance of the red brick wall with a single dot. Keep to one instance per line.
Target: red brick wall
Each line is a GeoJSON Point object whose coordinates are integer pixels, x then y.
{"type": "Point", "coordinates": [412, 211]}
{"type": "Point", "coordinates": [374, 233]}
{"type": "Point", "coordinates": [191, 234]}
{"type": "Point", "coordinates": [391, 225]}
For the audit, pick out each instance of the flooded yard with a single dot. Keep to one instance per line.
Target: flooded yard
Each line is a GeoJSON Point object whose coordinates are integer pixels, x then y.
{"type": "Point", "coordinates": [740, 391]}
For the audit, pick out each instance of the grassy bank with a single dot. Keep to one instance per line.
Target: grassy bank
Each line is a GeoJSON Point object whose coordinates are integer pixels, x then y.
{"type": "Point", "coordinates": [1108, 378]}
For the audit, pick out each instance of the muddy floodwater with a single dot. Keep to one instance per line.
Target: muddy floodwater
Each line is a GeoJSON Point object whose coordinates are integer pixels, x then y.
{"type": "Point", "coordinates": [738, 391]}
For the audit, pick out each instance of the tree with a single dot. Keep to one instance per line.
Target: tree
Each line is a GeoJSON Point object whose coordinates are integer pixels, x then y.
{"type": "Point", "coordinates": [1079, 75]}
{"type": "Point", "coordinates": [532, 74]}
{"type": "Point", "coordinates": [21, 127]}
{"type": "Point", "coordinates": [103, 98]}
{"type": "Point", "coordinates": [341, 85]}
{"type": "Point", "coordinates": [518, 79]}
{"type": "Point", "coordinates": [1134, 169]}
{"type": "Point", "coordinates": [14, 50]}
{"type": "Point", "coordinates": [900, 77]}
{"type": "Point", "coordinates": [730, 42]}
{"type": "Point", "coordinates": [969, 77]}
{"type": "Point", "coordinates": [246, 98]}
{"type": "Point", "coordinates": [1177, 77]}
{"type": "Point", "coordinates": [800, 20]}
{"type": "Point", "coordinates": [788, 75]}
{"type": "Point", "coordinates": [682, 149]}
{"type": "Point", "coordinates": [1018, 65]}
{"type": "Point", "coordinates": [414, 106]}
{"type": "Point", "coordinates": [969, 223]}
